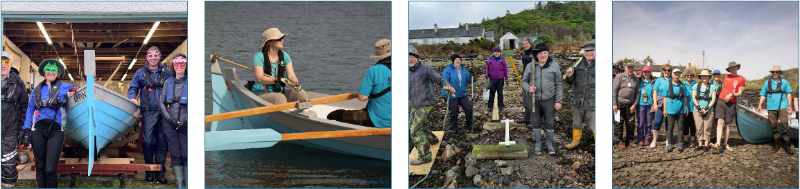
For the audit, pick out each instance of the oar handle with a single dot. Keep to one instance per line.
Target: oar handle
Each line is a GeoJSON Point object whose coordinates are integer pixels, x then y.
{"type": "Point", "coordinates": [228, 61]}
{"type": "Point", "coordinates": [277, 107]}
{"type": "Point", "coordinates": [335, 134]}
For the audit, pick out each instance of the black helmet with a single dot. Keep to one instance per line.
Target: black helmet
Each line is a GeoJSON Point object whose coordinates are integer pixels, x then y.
{"type": "Point", "coordinates": [49, 63]}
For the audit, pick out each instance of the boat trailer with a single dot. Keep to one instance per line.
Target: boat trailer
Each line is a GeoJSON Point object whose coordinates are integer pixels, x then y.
{"type": "Point", "coordinates": [122, 168]}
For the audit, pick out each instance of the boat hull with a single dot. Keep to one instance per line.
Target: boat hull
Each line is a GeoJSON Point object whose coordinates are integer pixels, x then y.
{"type": "Point", "coordinates": [753, 126]}
{"type": "Point", "coordinates": [114, 115]}
{"type": "Point", "coordinates": [233, 96]}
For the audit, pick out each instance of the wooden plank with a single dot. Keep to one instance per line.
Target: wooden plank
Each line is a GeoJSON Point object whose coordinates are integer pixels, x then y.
{"type": "Point", "coordinates": [115, 161]}
{"type": "Point", "coordinates": [106, 169]}
{"type": "Point", "coordinates": [491, 126]}
{"type": "Point", "coordinates": [424, 169]}
{"type": "Point", "coordinates": [277, 107]}
{"type": "Point", "coordinates": [496, 151]}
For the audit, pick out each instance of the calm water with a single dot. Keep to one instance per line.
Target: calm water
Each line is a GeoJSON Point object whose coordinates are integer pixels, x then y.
{"type": "Point", "coordinates": [330, 43]}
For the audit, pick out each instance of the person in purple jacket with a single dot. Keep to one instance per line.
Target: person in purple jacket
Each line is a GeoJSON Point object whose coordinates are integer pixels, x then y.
{"type": "Point", "coordinates": [497, 73]}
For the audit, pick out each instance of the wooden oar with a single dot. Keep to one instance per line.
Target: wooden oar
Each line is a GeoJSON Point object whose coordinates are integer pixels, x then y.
{"type": "Point", "coordinates": [265, 138]}
{"type": "Point", "coordinates": [215, 57]}
{"type": "Point", "coordinates": [278, 107]}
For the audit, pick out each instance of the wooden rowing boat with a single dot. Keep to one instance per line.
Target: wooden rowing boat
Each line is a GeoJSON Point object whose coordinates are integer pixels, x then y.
{"type": "Point", "coordinates": [229, 94]}
{"type": "Point", "coordinates": [753, 126]}
{"type": "Point", "coordinates": [114, 115]}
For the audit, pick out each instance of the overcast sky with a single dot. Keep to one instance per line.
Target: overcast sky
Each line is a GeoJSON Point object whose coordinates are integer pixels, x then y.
{"type": "Point", "coordinates": [422, 15]}
{"type": "Point", "coordinates": [755, 34]}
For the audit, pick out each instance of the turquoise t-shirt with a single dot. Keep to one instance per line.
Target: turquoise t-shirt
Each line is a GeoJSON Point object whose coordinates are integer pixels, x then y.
{"type": "Point", "coordinates": [645, 92]}
{"type": "Point", "coordinates": [778, 99]}
{"type": "Point", "coordinates": [716, 86]}
{"type": "Point", "coordinates": [258, 62]}
{"type": "Point", "coordinates": [661, 86]}
{"type": "Point", "coordinates": [704, 89]}
{"type": "Point", "coordinates": [689, 87]}
{"type": "Point", "coordinates": [376, 79]}
{"type": "Point", "coordinates": [675, 105]}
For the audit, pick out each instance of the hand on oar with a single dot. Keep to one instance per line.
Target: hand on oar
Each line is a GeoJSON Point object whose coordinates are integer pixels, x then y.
{"type": "Point", "coordinates": [277, 107]}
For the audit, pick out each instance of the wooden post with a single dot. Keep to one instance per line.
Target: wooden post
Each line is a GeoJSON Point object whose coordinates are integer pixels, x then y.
{"type": "Point", "coordinates": [495, 110]}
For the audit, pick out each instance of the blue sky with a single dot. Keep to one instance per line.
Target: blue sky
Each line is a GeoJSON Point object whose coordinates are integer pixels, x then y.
{"type": "Point", "coordinates": [755, 34]}
{"type": "Point", "coordinates": [423, 15]}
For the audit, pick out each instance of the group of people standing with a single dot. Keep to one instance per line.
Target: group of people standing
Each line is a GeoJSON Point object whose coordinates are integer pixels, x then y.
{"type": "Point", "coordinates": [161, 94]}
{"type": "Point", "coordinates": [542, 88]}
{"type": "Point", "coordinates": [690, 105]}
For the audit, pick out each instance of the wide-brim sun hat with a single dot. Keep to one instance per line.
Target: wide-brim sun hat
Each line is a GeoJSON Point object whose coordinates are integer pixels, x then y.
{"type": "Point", "coordinates": [733, 64]}
{"type": "Point", "coordinates": [541, 47]}
{"type": "Point", "coordinates": [705, 72]}
{"type": "Point", "coordinates": [272, 33]}
{"type": "Point", "coordinates": [383, 49]}
{"type": "Point", "coordinates": [588, 46]}
{"type": "Point", "coordinates": [775, 68]}
{"type": "Point", "coordinates": [676, 70]}
{"type": "Point", "coordinates": [413, 51]}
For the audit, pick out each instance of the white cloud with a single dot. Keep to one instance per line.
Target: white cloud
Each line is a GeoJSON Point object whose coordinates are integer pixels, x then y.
{"type": "Point", "coordinates": [756, 34]}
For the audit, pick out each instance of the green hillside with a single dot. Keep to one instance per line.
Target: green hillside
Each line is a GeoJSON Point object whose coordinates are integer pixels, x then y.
{"type": "Point", "coordinates": [555, 22]}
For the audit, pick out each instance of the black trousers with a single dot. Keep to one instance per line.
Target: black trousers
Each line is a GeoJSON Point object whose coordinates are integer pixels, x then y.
{"type": "Point", "coordinates": [176, 141]}
{"type": "Point", "coordinates": [47, 140]}
{"type": "Point", "coordinates": [496, 88]}
{"type": "Point", "coordinates": [627, 124]}
{"type": "Point", "coordinates": [465, 105]}
{"type": "Point", "coordinates": [674, 121]}
{"type": "Point", "coordinates": [154, 145]}
{"type": "Point", "coordinates": [543, 116]}
{"type": "Point", "coordinates": [9, 158]}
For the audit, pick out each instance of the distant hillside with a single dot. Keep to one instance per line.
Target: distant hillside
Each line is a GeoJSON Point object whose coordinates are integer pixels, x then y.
{"type": "Point", "coordinates": [555, 22]}
{"type": "Point", "coordinates": [790, 74]}
{"type": "Point", "coordinates": [565, 26]}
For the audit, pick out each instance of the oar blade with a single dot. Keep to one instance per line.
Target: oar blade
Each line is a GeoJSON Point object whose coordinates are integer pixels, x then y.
{"type": "Point", "coordinates": [241, 139]}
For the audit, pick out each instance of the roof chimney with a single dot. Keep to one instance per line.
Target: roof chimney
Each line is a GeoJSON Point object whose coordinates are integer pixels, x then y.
{"type": "Point", "coordinates": [466, 27]}
{"type": "Point", "coordinates": [435, 28]}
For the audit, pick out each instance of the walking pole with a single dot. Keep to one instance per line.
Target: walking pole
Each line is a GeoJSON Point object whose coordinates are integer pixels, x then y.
{"type": "Point", "coordinates": [446, 110]}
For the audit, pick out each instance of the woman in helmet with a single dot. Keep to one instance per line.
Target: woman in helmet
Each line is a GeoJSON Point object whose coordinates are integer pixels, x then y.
{"type": "Point", "coordinates": [44, 118]}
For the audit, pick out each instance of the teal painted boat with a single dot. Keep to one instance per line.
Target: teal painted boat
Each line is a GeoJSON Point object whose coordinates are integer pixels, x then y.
{"type": "Point", "coordinates": [113, 113]}
{"type": "Point", "coordinates": [229, 94]}
{"type": "Point", "coordinates": [754, 126]}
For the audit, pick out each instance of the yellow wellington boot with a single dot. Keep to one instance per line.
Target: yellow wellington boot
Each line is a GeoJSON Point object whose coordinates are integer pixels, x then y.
{"type": "Point", "coordinates": [576, 138]}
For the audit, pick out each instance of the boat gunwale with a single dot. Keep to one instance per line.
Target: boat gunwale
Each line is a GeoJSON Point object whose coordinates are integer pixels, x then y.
{"type": "Point", "coordinates": [233, 79]}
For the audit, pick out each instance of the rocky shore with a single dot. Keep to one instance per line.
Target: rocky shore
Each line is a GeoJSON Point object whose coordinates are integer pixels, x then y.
{"type": "Point", "coordinates": [455, 166]}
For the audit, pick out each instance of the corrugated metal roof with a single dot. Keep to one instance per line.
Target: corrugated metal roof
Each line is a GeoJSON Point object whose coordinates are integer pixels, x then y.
{"type": "Point", "coordinates": [94, 11]}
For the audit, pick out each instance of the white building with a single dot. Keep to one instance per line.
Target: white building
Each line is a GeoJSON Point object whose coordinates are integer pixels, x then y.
{"type": "Point", "coordinates": [509, 41]}
{"type": "Point", "coordinates": [461, 35]}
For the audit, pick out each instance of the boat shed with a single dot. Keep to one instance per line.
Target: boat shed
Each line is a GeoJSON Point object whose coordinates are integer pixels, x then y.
{"type": "Point", "coordinates": [119, 32]}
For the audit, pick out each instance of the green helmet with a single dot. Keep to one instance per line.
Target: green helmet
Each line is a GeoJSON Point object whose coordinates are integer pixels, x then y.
{"type": "Point", "coordinates": [51, 66]}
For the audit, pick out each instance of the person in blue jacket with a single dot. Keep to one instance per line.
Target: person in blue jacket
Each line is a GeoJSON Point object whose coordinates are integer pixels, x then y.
{"type": "Point", "coordinates": [777, 93]}
{"type": "Point", "coordinates": [44, 120]}
{"type": "Point", "coordinates": [174, 112]}
{"type": "Point", "coordinates": [376, 86]}
{"type": "Point", "coordinates": [144, 90]}
{"type": "Point", "coordinates": [456, 93]}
